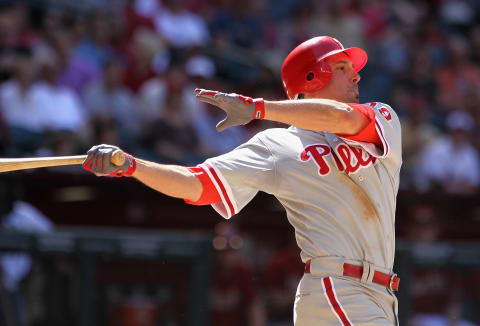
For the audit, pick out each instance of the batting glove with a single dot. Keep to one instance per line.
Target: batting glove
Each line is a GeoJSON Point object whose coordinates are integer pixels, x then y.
{"type": "Point", "coordinates": [240, 109]}
{"type": "Point", "coordinates": [99, 162]}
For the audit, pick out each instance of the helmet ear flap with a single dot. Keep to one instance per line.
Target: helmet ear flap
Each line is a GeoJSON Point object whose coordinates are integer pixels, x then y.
{"type": "Point", "coordinates": [317, 77]}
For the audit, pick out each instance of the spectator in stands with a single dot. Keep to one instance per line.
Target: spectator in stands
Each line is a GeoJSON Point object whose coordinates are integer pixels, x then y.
{"type": "Point", "coordinates": [96, 48]}
{"type": "Point", "coordinates": [61, 107]}
{"type": "Point", "coordinates": [201, 71]}
{"type": "Point", "coordinates": [418, 132]}
{"type": "Point", "coordinates": [234, 300]}
{"type": "Point", "coordinates": [180, 27]}
{"type": "Point", "coordinates": [75, 72]}
{"type": "Point", "coordinates": [108, 99]}
{"type": "Point", "coordinates": [20, 216]}
{"type": "Point", "coordinates": [146, 8]}
{"type": "Point", "coordinates": [451, 162]}
{"type": "Point", "coordinates": [15, 29]}
{"type": "Point", "coordinates": [154, 93]}
{"type": "Point", "coordinates": [417, 73]}
{"type": "Point", "coordinates": [136, 20]}
{"type": "Point", "coordinates": [104, 131]}
{"type": "Point", "coordinates": [334, 18]}
{"type": "Point", "coordinates": [458, 77]}
{"type": "Point", "coordinates": [141, 53]}
{"type": "Point", "coordinates": [296, 29]}
{"type": "Point", "coordinates": [375, 16]}
{"type": "Point", "coordinates": [171, 138]}
{"type": "Point", "coordinates": [240, 22]}
{"type": "Point", "coordinates": [167, 131]}
{"type": "Point", "coordinates": [24, 119]}
{"type": "Point", "coordinates": [456, 15]}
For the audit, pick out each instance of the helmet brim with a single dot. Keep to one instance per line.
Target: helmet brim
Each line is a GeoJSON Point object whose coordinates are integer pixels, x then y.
{"type": "Point", "coordinates": [358, 56]}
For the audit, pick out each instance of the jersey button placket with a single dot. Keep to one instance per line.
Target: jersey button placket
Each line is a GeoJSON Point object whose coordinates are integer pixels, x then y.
{"type": "Point", "coordinates": [361, 178]}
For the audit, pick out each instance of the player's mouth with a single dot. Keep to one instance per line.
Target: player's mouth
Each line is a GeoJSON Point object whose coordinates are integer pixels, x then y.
{"type": "Point", "coordinates": [355, 92]}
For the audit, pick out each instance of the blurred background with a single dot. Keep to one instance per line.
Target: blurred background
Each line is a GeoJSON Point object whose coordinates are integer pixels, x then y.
{"type": "Point", "coordinates": [80, 250]}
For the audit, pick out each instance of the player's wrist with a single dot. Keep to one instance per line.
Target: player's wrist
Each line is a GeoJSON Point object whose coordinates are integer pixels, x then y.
{"type": "Point", "coordinates": [132, 165]}
{"type": "Point", "coordinates": [259, 112]}
{"type": "Point", "coordinates": [128, 169]}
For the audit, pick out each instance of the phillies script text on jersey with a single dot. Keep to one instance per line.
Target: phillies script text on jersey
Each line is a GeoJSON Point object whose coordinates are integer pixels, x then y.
{"type": "Point", "coordinates": [347, 158]}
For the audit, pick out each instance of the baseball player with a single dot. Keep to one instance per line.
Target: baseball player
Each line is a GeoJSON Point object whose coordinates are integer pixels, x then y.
{"type": "Point", "coordinates": [335, 170]}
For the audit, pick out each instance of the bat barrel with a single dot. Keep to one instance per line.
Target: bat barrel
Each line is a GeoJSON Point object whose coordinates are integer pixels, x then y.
{"type": "Point", "coordinates": [15, 164]}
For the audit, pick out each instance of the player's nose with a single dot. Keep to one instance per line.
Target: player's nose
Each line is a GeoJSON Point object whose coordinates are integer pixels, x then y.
{"type": "Point", "coordinates": [355, 78]}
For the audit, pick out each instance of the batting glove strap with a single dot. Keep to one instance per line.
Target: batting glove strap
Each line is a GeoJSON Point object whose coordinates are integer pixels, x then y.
{"type": "Point", "coordinates": [259, 112]}
{"type": "Point", "coordinates": [131, 167]}
{"type": "Point", "coordinates": [258, 105]}
{"type": "Point", "coordinates": [240, 109]}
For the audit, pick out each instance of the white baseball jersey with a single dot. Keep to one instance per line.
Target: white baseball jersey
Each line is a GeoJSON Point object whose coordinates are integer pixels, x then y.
{"type": "Point", "coordinates": [339, 194]}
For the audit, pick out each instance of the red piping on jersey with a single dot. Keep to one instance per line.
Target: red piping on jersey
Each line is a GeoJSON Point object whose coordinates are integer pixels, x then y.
{"type": "Point", "coordinates": [382, 137]}
{"type": "Point", "coordinates": [222, 188]}
{"type": "Point", "coordinates": [368, 134]}
{"type": "Point", "coordinates": [332, 300]}
{"type": "Point", "coordinates": [209, 193]}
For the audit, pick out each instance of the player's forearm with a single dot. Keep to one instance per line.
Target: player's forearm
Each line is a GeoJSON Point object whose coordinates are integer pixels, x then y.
{"type": "Point", "coordinates": [171, 180]}
{"type": "Point", "coordinates": [316, 115]}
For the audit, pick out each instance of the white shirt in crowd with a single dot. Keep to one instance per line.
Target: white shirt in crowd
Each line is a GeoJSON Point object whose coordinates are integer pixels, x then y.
{"type": "Point", "coordinates": [26, 218]}
{"type": "Point", "coordinates": [443, 161]}
{"type": "Point", "coordinates": [42, 107]}
{"type": "Point", "coordinates": [181, 29]}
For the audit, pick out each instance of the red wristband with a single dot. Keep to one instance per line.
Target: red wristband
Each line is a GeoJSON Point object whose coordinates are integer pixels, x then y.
{"type": "Point", "coordinates": [259, 112]}
{"type": "Point", "coordinates": [132, 166]}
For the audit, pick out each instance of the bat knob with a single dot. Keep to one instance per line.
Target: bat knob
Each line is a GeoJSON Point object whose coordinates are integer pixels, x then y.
{"type": "Point", "coordinates": [118, 158]}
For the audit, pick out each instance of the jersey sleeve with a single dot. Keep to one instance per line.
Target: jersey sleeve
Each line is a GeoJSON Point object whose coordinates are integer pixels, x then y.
{"type": "Point", "coordinates": [368, 134]}
{"type": "Point", "coordinates": [387, 129]}
{"type": "Point", "coordinates": [238, 175]}
{"type": "Point", "coordinates": [210, 194]}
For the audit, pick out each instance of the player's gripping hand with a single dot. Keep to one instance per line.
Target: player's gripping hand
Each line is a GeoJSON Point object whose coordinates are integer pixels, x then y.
{"type": "Point", "coordinates": [240, 109]}
{"type": "Point", "coordinates": [99, 162]}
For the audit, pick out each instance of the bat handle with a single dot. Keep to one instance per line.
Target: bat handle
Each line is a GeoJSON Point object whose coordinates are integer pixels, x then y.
{"type": "Point", "coordinates": [118, 158]}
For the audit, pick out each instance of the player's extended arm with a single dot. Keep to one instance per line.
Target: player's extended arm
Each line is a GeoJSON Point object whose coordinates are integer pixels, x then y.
{"type": "Point", "coordinates": [312, 114]}
{"type": "Point", "coordinates": [172, 180]}
{"type": "Point", "coordinates": [317, 115]}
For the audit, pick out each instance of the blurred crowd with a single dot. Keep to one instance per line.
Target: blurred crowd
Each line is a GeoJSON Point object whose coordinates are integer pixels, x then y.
{"type": "Point", "coordinates": [123, 72]}
{"type": "Point", "coordinates": [75, 74]}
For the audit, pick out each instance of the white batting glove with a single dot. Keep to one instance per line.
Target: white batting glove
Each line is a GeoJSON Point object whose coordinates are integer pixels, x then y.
{"type": "Point", "coordinates": [240, 109]}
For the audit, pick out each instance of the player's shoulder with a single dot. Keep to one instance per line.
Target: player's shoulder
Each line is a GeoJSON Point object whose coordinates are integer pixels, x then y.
{"type": "Point", "coordinates": [272, 133]}
{"type": "Point", "coordinates": [379, 106]}
{"type": "Point", "coordinates": [278, 137]}
{"type": "Point", "coordinates": [383, 110]}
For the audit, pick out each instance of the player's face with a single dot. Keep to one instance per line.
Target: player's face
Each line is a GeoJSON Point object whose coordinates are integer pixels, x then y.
{"type": "Point", "coordinates": [343, 85]}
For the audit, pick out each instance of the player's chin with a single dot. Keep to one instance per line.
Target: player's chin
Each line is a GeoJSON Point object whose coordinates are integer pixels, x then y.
{"type": "Point", "coordinates": [353, 99]}
{"type": "Point", "coordinates": [350, 96]}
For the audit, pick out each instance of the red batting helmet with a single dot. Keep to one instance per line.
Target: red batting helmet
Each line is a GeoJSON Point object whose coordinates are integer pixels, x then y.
{"type": "Point", "coordinates": [305, 71]}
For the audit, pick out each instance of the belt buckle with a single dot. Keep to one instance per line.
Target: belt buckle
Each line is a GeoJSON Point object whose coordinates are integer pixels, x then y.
{"type": "Point", "coordinates": [390, 285]}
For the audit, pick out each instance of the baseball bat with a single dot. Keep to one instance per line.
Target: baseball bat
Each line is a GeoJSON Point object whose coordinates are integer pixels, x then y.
{"type": "Point", "coordinates": [15, 164]}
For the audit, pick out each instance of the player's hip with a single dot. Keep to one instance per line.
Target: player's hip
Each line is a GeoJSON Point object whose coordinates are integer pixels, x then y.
{"type": "Point", "coordinates": [332, 300]}
{"type": "Point", "coordinates": [377, 278]}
